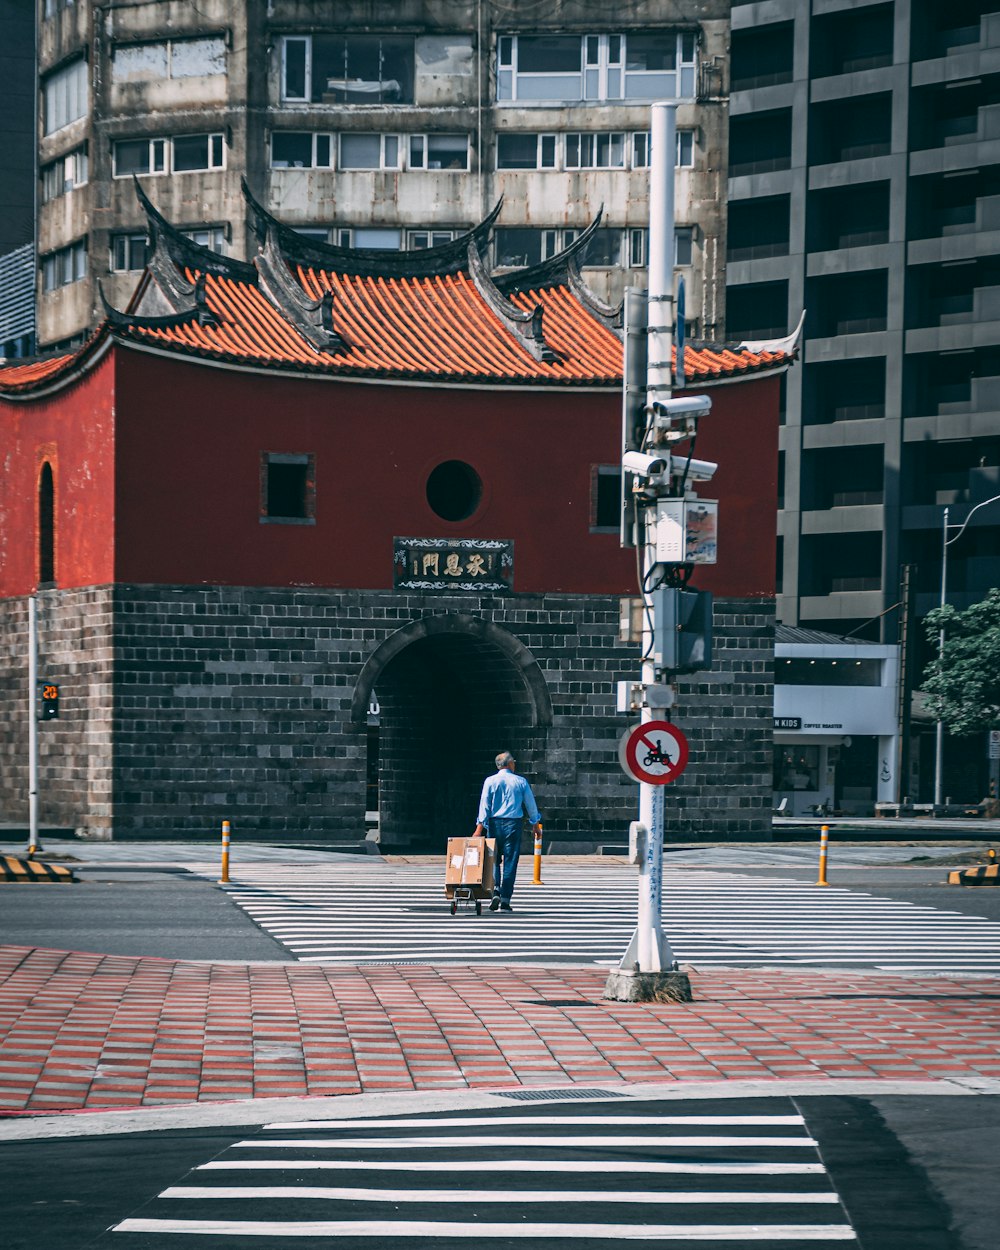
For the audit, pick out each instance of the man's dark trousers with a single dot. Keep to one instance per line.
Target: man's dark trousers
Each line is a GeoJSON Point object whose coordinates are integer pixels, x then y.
{"type": "Point", "coordinates": [507, 831]}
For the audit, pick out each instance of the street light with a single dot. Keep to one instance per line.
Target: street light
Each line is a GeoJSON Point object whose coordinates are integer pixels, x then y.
{"type": "Point", "coordinates": [945, 544]}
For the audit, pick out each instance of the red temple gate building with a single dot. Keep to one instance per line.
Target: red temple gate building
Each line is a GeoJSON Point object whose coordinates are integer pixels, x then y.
{"type": "Point", "coordinates": [318, 535]}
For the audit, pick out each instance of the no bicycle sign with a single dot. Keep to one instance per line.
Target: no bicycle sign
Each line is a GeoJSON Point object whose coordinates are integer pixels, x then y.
{"type": "Point", "coordinates": [655, 752]}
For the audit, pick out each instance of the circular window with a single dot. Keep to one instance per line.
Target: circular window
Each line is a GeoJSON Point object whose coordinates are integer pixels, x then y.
{"type": "Point", "coordinates": [454, 490]}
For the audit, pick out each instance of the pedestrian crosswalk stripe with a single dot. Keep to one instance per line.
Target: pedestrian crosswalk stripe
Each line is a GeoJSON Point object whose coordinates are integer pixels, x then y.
{"type": "Point", "coordinates": [450, 1143]}
{"type": "Point", "coordinates": [503, 1164]}
{"type": "Point", "coordinates": [389, 1229]}
{"type": "Point", "coordinates": [586, 914]}
{"type": "Point", "coordinates": [478, 1196]}
{"type": "Point", "coordinates": [576, 1121]}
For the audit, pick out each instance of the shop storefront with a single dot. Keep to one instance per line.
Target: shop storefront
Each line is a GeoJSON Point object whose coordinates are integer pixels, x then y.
{"type": "Point", "coordinates": [836, 724]}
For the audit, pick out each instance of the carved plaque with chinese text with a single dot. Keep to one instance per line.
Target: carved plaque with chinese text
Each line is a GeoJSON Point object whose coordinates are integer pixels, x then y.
{"type": "Point", "coordinates": [453, 564]}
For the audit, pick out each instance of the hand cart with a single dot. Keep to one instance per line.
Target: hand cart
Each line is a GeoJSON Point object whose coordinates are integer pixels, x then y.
{"type": "Point", "coordinates": [469, 872]}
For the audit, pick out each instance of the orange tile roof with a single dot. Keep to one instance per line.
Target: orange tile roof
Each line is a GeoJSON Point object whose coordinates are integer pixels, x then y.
{"type": "Point", "coordinates": [403, 322]}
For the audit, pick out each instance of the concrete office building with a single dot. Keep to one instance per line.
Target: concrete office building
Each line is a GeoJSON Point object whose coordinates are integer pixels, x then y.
{"type": "Point", "coordinates": [17, 187]}
{"type": "Point", "coordinates": [394, 126]}
{"type": "Point", "coordinates": [865, 187]}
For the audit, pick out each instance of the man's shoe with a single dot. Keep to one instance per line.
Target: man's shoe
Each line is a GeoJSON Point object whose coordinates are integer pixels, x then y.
{"type": "Point", "coordinates": [494, 902]}
{"type": "Point", "coordinates": [505, 907]}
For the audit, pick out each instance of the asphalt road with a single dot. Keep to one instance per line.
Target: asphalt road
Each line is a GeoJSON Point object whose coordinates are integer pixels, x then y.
{"type": "Point", "coordinates": [119, 911]}
{"type": "Point", "coordinates": [176, 915]}
{"type": "Point", "coordinates": [906, 1172]}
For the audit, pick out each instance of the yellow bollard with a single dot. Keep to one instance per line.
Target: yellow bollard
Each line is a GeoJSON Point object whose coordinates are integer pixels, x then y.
{"type": "Point", "coordinates": [824, 837]}
{"type": "Point", "coordinates": [537, 879]}
{"type": "Point", "coordinates": [224, 879]}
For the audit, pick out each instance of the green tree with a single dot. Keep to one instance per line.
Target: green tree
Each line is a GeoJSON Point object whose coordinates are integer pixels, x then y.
{"type": "Point", "coordinates": [963, 684]}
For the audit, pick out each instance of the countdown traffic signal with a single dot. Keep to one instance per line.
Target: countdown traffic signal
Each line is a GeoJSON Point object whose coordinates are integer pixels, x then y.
{"type": "Point", "coordinates": [48, 700]}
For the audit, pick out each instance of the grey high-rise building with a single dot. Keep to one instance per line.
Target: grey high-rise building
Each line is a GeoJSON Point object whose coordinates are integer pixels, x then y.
{"type": "Point", "coordinates": [375, 126]}
{"type": "Point", "coordinates": [865, 188]}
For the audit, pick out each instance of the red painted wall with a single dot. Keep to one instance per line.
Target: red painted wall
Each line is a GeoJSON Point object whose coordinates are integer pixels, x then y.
{"type": "Point", "coordinates": [74, 431]}
{"type": "Point", "coordinates": [188, 439]}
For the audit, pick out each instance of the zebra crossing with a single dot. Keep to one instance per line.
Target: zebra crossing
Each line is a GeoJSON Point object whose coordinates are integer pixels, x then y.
{"type": "Point", "coordinates": [390, 914]}
{"type": "Point", "coordinates": [602, 1172]}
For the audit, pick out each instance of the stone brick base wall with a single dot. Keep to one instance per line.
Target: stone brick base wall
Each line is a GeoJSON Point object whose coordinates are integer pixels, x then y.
{"type": "Point", "coordinates": [183, 706]}
{"type": "Point", "coordinates": [75, 752]}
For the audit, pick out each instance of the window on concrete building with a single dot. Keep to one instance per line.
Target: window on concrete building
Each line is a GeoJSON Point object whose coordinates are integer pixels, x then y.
{"type": "Point", "coordinates": [684, 245]}
{"type": "Point", "coordinates": [46, 527]}
{"type": "Point", "coordinates": [67, 265]}
{"type": "Point", "coordinates": [213, 237]}
{"type": "Point", "coordinates": [197, 152]}
{"type": "Point", "coordinates": [377, 238]}
{"type": "Point", "coordinates": [181, 154]}
{"type": "Point", "coordinates": [65, 174]}
{"type": "Point", "coordinates": [526, 151]}
{"type": "Point", "coordinates": [356, 69]}
{"type": "Point", "coordinates": [521, 246]}
{"type": "Point", "coordinates": [760, 143]}
{"type": "Point", "coordinates": [368, 151]}
{"type": "Point", "coordinates": [171, 58]}
{"type": "Point", "coordinates": [288, 488]}
{"type": "Point", "coordinates": [685, 149]}
{"type": "Point", "coordinates": [131, 251]}
{"type": "Point", "coordinates": [301, 149]}
{"type": "Point", "coordinates": [438, 152]}
{"type": "Point", "coordinates": [65, 96]}
{"type": "Point", "coordinates": [128, 251]}
{"type": "Point", "coordinates": [595, 151]}
{"type": "Point", "coordinates": [640, 65]}
{"type": "Point", "coordinates": [418, 240]}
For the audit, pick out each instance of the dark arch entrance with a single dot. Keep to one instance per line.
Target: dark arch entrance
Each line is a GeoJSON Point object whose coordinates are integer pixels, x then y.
{"type": "Point", "coordinates": [452, 691]}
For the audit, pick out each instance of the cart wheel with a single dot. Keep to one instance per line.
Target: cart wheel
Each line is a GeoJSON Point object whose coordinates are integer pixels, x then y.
{"type": "Point", "coordinates": [479, 908]}
{"type": "Point", "coordinates": [454, 906]}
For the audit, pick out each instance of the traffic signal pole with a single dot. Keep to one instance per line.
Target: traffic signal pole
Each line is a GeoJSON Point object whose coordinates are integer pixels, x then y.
{"type": "Point", "coordinates": [654, 953]}
{"type": "Point", "coordinates": [33, 844]}
{"type": "Point", "coordinates": [646, 972]}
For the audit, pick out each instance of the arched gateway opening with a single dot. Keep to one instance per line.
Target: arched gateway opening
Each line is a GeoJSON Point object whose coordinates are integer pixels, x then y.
{"type": "Point", "coordinates": [451, 691]}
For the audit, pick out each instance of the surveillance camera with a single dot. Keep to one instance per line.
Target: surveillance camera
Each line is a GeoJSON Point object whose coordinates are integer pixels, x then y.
{"type": "Point", "coordinates": [685, 406]}
{"type": "Point", "coordinates": [644, 466]}
{"type": "Point", "coordinates": [695, 470]}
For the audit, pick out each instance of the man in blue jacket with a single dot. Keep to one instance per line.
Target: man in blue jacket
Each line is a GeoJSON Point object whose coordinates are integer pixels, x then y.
{"type": "Point", "coordinates": [505, 801]}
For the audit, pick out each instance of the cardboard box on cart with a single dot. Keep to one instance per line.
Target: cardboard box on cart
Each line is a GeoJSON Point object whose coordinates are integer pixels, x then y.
{"type": "Point", "coordinates": [470, 864]}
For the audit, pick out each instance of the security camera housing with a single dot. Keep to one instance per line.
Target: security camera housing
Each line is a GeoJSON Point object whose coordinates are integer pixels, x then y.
{"type": "Point", "coordinates": [642, 465]}
{"type": "Point", "coordinates": [695, 470]}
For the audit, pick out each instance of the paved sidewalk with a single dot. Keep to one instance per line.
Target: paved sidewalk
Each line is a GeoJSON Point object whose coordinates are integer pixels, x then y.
{"type": "Point", "coordinates": [90, 1031]}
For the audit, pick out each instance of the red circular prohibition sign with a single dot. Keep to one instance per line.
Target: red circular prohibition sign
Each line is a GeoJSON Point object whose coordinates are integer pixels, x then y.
{"type": "Point", "coordinates": [656, 752]}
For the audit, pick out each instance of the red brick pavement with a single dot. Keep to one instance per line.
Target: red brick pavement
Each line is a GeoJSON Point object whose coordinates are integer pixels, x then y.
{"type": "Point", "coordinates": [92, 1031]}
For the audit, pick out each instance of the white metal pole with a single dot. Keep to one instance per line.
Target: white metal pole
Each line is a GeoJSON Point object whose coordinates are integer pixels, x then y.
{"type": "Point", "coordinates": [662, 155]}
{"type": "Point", "coordinates": [939, 727]}
{"type": "Point", "coordinates": [653, 950]}
{"type": "Point", "coordinates": [32, 723]}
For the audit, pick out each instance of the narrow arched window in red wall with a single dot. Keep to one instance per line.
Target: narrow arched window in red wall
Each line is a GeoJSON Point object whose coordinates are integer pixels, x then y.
{"type": "Point", "coordinates": [46, 527]}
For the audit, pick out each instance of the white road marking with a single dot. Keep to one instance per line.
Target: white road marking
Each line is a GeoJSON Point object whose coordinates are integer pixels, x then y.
{"type": "Point", "coordinates": [436, 1143]}
{"type": "Point", "coordinates": [516, 1120]}
{"type": "Point", "coordinates": [518, 1165]}
{"type": "Point", "coordinates": [389, 1229]}
{"type": "Point", "coordinates": [479, 1196]}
